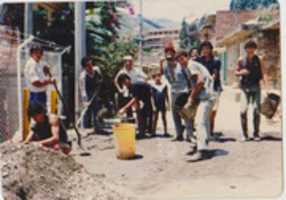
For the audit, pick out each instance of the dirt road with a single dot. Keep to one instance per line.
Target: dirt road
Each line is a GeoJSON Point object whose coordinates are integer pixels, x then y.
{"type": "Point", "coordinates": [252, 169]}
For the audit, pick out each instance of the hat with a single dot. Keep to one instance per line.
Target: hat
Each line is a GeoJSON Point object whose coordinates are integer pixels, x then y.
{"type": "Point", "coordinates": [128, 57]}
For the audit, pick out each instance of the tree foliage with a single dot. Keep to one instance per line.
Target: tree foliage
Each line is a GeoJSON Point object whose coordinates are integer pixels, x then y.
{"type": "Point", "coordinates": [250, 4]}
{"type": "Point", "coordinates": [189, 36]}
{"type": "Point", "coordinates": [185, 42]}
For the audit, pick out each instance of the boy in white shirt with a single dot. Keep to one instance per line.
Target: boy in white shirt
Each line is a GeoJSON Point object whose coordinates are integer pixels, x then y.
{"type": "Point", "coordinates": [37, 78]}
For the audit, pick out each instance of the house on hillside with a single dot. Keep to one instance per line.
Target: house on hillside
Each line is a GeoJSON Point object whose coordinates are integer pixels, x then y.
{"type": "Point", "coordinates": [234, 29]}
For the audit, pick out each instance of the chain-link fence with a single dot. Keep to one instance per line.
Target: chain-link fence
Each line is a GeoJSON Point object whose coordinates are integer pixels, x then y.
{"type": "Point", "coordinates": [9, 41]}
{"type": "Point", "coordinates": [14, 93]}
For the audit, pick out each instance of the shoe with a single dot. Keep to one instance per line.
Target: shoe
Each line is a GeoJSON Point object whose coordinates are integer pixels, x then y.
{"type": "Point", "coordinates": [166, 135]}
{"type": "Point", "coordinates": [257, 138]}
{"type": "Point", "coordinates": [244, 139]}
{"type": "Point", "coordinates": [140, 136]}
{"type": "Point", "coordinates": [192, 151]}
{"type": "Point", "coordinates": [197, 156]}
{"type": "Point", "coordinates": [178, 139]}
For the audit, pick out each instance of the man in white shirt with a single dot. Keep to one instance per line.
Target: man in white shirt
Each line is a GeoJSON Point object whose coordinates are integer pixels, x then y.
{"type": "Point", "coordinates": [37, 78]}
{"type": "Point", "coordinates": [135, 74]}
{"type": "Point", "coordinates": [202, 96]}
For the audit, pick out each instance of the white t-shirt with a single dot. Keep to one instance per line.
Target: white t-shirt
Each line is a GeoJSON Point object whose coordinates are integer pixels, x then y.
{"type": "Point", "coordinates": [34, 71]}
{"type": "Point", "coordinates": [198, 69]}
{"type": "Point", "coordinates": [136, 75]}
{"type": "Point", "coordinates": [82, 82]}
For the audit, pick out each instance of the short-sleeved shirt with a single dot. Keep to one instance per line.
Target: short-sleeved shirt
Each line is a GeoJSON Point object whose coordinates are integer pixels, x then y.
{"type": "Point", "coordinates": [136, 75]}
{"type": "Point", "coordinates": [178, 77]}
{"type": "Point", "coordinates": [212, 65]}
{"type": "Point", "coordinates": [142, 91]}
{"type": "Point", "coordinates": [90, 83]}
{"type": "Point", "coordinates": [34, 71]}
{"type": "Point", "coordinates": [198, 69]}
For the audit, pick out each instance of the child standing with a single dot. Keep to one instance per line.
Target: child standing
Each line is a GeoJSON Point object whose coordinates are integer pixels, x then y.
{"type": "Point", "coordinates": [161, 101]}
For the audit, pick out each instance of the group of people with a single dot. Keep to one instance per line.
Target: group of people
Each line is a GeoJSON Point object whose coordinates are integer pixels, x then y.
{"type": "Point", "coordinates": [194, 86]}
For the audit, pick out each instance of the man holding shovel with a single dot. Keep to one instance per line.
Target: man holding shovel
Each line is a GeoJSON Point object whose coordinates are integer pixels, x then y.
{"type": "Point", "coordinates": [90, 82]}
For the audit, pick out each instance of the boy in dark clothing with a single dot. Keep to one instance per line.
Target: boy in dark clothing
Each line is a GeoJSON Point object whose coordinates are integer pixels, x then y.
{"type": "Point", "coordinates": [213, 65]}
{"type": "Point", "coordinates": [142, 100]}
{"type": "Point", "coordinates": [47, 130]}
{"type": "Point", "coordinates": [90, 83]}
{"type": "Point", "coordinates": [250, 71]}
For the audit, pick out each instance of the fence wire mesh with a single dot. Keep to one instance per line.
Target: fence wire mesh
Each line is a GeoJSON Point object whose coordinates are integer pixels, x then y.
{"type": "Point", "coordinates": [9, 103]}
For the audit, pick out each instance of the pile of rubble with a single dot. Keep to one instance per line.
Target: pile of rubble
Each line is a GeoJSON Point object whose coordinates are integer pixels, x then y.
{"type": "Point", "coordinates": [30, 172]}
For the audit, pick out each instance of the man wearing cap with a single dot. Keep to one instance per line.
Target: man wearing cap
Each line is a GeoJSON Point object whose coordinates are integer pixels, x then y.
{"type": "Point", "coordinates": [179, 79]}
{"type": "Point", "coordinates": [136, 75]}
{"type": "Point", "coordinates": [37, 79]}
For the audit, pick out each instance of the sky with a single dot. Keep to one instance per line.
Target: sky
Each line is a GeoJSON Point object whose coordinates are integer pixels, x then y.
{"type": "Point", "coordinates": [176, 10]}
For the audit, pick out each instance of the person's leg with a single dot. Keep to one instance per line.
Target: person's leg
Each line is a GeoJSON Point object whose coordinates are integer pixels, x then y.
{"type": "Point", "coordinates": [149, 120]}
{"type": "Point", "coordinates": [87, 118]}
{"type": "Point", "coordinates": [96, 105]}
{"type": "Point", "coordinates": [244, 102]}
{"type": "Point", "coordinates": [256, 113]}
{"type": "Point", "coordinates": [177, 119]}
{"type": "Point", "coordinates": [164, 120]}
{"type": "Point", "coordinates": [202, 120]}
{"type": "Point", "coordinates": [141, 123]}
{"type": "Point", "coordinates": [189, 130]}
{"type": "Point", "coordinates": [155, 117]}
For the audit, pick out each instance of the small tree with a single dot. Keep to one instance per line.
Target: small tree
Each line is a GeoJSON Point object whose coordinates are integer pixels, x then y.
{"type": "Point", "coordinates": [185, 42]}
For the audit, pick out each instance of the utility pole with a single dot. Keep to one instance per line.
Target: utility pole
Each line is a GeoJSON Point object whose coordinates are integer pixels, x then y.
{"type": "Point", "coordinates": [140, 56]}
{"type": "Point", "coordinates": [28, 17]}
{"type": "Point", "coordinates": [80, 47]}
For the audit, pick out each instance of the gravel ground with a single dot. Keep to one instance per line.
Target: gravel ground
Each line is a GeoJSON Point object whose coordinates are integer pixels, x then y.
{"type": "Point", "coordinates": [162, 170]}
{"type": "Point", "coordinates": [30, 172]}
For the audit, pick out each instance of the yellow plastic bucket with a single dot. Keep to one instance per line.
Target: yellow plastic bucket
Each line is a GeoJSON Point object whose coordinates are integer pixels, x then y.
{"type": "Point", "coordinates": [124, 136]}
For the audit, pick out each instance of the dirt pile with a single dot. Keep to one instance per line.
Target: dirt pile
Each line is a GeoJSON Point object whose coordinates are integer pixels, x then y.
{"type": "Point", "coordinates": [30, 172]}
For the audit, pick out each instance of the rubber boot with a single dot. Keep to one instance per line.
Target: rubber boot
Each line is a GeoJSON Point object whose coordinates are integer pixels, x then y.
{"type": "Point", "coordinates": [243, 119]}
{"type": "Point", "coordinates": [256, 124]}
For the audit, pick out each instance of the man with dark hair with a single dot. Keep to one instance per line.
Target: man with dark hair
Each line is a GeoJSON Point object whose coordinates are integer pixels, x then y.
{"type": "Point", "coordinates": [194, 53]}
{"type": "Point", "coordinates": [213, 65]}
{"type": "Point", "coordinates": [135, 74]}
{"type": "Point", "coordinates": [250, 72]}
{"type": "Point", "coordinates": [141, 93]}
{"type": "Point", "coordinates": [37, 78]}
{"type": "Point", "coordinates": [47, 130]}
{"type": "Point", "coordinates": [90, 83]}
{"type": "Point", "coordinates": [200, 98]}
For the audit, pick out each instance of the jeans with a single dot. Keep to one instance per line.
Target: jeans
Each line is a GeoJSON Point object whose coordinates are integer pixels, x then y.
{"type": "Point", "coordinates": [178, 120]}
{"type": "Point", "coordinates": [145, 119]}
{"type": "Point", "coordinates": [91, 114]}
{"type": "Point", "coordinates": [39, 98]}
{"type": "Point", "coordinates": [250, 97]}
{"type": "Point", "coordinates": [203, 124]}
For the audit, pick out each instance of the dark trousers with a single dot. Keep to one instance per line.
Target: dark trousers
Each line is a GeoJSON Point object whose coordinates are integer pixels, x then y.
{"type": "Point", "coordinates": [91, 115]}
{"type": "Point", "coordinates": [250, 97]}
{"type": "Point", "coordinates": [39, 98]}
{"type": "Point", "coordinates": [145, 119]}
